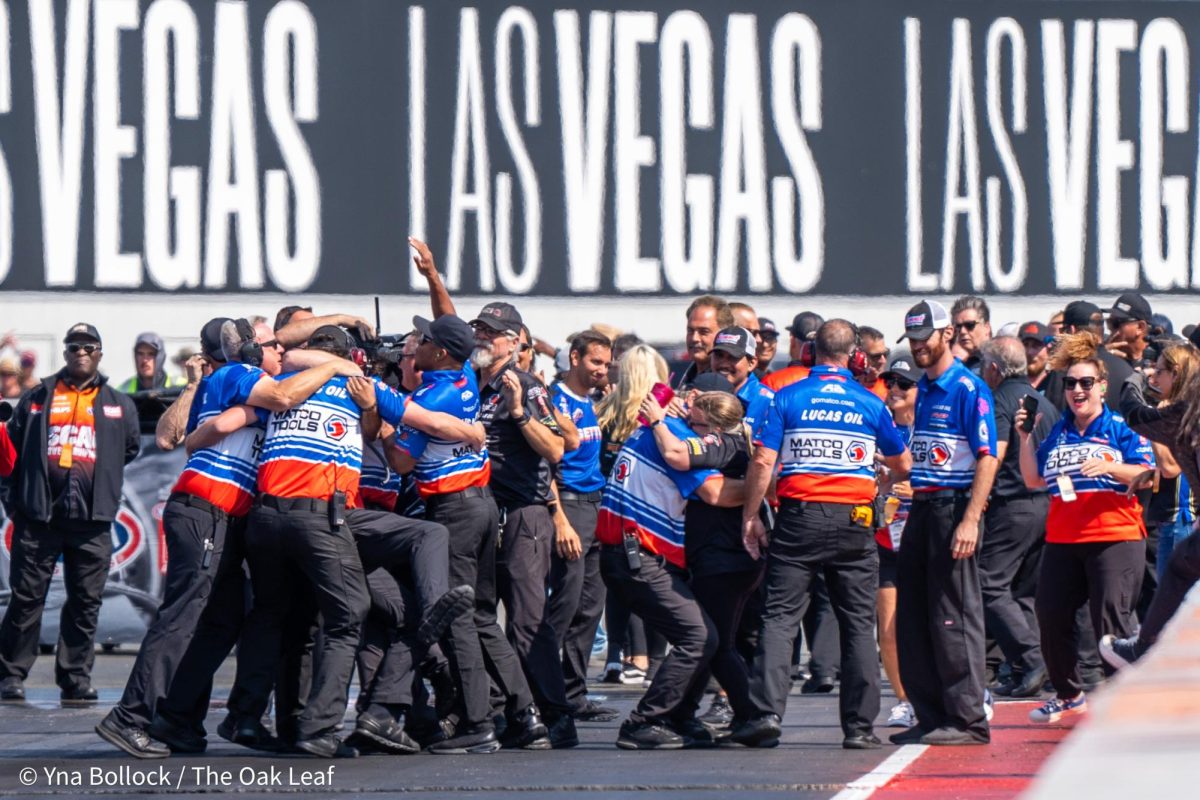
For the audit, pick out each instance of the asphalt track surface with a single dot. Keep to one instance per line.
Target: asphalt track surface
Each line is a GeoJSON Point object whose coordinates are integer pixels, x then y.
{"type": "Point", "coordinates": [40, 735]}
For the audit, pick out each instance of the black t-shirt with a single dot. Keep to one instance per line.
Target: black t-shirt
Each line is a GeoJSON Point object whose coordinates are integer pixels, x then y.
{"type": "Point", "coordinates": [1007, 397]}
{"type": "Point", "coordinates": [712, 540]}
{"type": "Point", "coordinates": [520, 476]}
{"type": "Point", "coordinates": [1118, 371]}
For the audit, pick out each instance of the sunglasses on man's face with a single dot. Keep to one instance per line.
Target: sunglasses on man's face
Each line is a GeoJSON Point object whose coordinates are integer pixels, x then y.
{"type": "Point", "coordinates": [880, 356]}
{"type": "Point", "coordinates": [75, 347]}
{"type": "Point", "coordinates": [904, 383]}
{"type": "Point", "coordinates": [967, 326]}
{"type": "Point", "coordinates": [1083, 383]}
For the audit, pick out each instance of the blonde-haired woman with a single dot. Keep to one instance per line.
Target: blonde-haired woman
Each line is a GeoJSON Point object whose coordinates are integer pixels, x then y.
{"type": "Point", "coordinates": [631, 646]}
{"type": "Point", "coordinates": [723, 575]}
{"type": "Point", "coordinates": [1094, 551]}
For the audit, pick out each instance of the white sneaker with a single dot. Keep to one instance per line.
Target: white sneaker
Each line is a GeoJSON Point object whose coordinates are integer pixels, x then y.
{"type": "Point", "coordinates": [1056, 708]}
{"type": "Point", "coordinates": [902, 716]}
{"type": "Point", "coordinates": [989, 705]}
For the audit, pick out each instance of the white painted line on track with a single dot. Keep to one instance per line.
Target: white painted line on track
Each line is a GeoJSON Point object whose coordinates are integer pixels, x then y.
{"type": "Point", "coordinates": [892, 766]}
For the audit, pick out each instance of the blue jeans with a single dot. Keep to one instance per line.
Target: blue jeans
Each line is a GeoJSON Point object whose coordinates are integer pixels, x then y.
{"type": "Point", "coordinates": [1169, 535]}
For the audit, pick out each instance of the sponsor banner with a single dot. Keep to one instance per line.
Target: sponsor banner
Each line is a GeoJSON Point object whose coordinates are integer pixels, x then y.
{"type": "Point", "coordinates": [624, 149]}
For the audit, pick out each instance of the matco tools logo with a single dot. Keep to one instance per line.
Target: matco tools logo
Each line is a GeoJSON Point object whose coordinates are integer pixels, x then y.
{"type": "Point", "coordinates": [336, 427]}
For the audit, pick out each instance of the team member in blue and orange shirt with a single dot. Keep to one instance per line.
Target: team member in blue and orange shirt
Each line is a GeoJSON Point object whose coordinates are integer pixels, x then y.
{"type": "Point", "coordinates": [1095, 536]}
{"type": "Point", "coordinates": [939, 604]}
{"type": "Point", "coordinates": [204, 524]}
{"type": "Point", "coordinates": [825, 431]}
{"type": "Point", "coordinates": [453, 480]}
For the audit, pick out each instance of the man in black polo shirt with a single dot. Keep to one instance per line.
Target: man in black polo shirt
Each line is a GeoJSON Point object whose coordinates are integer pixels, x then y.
{"type": "Point", "coordinates": [1015, 521]}
{"type": "Point", "coordinates": [524, 443]}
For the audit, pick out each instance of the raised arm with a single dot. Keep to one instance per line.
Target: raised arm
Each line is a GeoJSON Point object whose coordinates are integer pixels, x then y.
{"type": "Point", "coordinates": [439, 298]}
{"type": "Point", "coordinates": [276, 395]}
{"type": "Point", "coordinates": [299, 331]}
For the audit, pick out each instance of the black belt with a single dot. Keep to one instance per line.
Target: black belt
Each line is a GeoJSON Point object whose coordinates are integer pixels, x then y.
{"type": "Point", "coordinates": [1012, 498]}
{"type": "Point", "coordinates": [581, 497]}
{"type": "Point", "coordinates": [192, 501]}
{"type": "Point", "coordinates": [942, 494]}
{"type": "Point", "coordinates": [293, 503]}
{"type": "Point", "coordinates": [789, 502]}
{"type": "Point", "coordinates": [463, 494]}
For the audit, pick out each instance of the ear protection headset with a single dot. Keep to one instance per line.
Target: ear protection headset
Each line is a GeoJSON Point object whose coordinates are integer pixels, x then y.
{"type": "Point", "coordinates": [858, 357]}
{"type": "Point", "coordinates": [249, 351]}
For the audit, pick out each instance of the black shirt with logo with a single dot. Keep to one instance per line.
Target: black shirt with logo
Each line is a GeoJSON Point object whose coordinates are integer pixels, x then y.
{"type": "Point", "coordinates": [1007, 398]}
{"type": "Point", "coordinates": [520, 476]}
{"type": "Point", "coordinates": [712, 541]}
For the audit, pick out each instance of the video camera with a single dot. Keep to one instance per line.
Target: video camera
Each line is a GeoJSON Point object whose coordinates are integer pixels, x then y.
{"type": "Point", "coordinates": [382, 356]}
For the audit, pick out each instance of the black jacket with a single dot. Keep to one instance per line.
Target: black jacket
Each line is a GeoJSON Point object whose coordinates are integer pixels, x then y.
{"type": "Point", "coordinates": [117, 443]}
{"type": "Point", "coordinates": [1159, 425]}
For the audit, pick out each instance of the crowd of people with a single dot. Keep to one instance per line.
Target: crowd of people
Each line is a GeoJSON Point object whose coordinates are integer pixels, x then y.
{"type": "Point", "coordinates": [982, 513]}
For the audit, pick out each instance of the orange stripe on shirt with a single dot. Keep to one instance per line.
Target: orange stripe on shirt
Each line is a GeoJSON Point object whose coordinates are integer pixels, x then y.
{"type": "Point", "coordinates": [228, 497]}
{"type": "Point", "coordinates": [1095, 517]}
{"type": "Point", "coordinates": [285, 477]}
{"type": "Point", "coordinates": [827, 488]}
{"type": "Point", "coordinates": [456, 483]}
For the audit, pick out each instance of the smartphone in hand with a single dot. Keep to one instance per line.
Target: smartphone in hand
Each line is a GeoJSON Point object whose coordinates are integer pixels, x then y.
{"type": "Point", "coordinates": [1030, 404]}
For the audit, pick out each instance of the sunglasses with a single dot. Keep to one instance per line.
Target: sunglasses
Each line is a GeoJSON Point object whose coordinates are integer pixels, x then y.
{"type": "Point", "coordinates": [75, 347]}
{"type": "Point", "coordinates": [881, 356]}
{"type": "Point", "coordinates": [904, 383]}
{"type": "Point", "coordinates": [526, 347]}
{"type": "Point", "coordinates": [274, 343]}
{"type": "Point", "coordinates": [966, 326]}
{"type": "Point", "coordinates": [1083, 383]}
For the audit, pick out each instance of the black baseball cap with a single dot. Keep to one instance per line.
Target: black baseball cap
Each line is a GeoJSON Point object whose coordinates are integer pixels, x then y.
{"type": "Point", "coordinates": [712, 382]}
{"type": "Point", "coordinates": [805, 324]}
{"type": "Point", "coordinates": [450, 333]}
{"type": "Point", "coordinates": [902, 366]}
{"type": "Point", "coordinates": [767, 329]}
{"type": "Point", "coordinates": [500, 317]}
{"type": "Point", "coordinates": [1079, 314]}
{"type": "Point", "coordinates": [923, 319]}
{"type": "Point", "coordinates": [1034, 330]}
{"type": "Point", "coordinates": [82, 331]}
{"type": "Point", "coordinates": [1130, 306]}
{"type": "Point", "coordinates": [210, 339]}
{"type": "Point", "coordinates": [333, 339]}
{"type": "Point", "coordinates": [736, 341]}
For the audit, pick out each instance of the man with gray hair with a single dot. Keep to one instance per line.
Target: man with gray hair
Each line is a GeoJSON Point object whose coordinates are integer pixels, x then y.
{"type": "Point", "coordinates": [1015, 522]}
{"type": "Point", "coordinates": [972, 327]}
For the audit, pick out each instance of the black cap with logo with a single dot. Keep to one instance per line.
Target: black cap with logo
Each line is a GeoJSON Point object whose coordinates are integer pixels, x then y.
{"type": "Point", "coordinates": [500, 317]}
{"type": "Point", "coordinates": [902, 366]}
{"type": "Point", "coordinates": [82, 332]}
{"type": "Point", "coordinates": [1129, 307]}
{"type": "Point", "coordinates": [923, 319]}
{"type": "Point", "coordinates": [736, 341]}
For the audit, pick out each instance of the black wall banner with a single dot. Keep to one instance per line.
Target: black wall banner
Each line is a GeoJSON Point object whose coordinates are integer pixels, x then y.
{"type": "Point", "coordinates": [560, 148]}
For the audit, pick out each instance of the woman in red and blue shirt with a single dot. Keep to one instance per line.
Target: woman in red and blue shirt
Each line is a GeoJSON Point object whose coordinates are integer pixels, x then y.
{"type": "Point", "coordinates": [1094, 552]}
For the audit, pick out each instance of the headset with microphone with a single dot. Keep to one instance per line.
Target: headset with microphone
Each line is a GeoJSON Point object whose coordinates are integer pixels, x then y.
{"type": "Point", "coordinates": [248, 351]}
{"type": "Point", "coordinates": [858, 357]}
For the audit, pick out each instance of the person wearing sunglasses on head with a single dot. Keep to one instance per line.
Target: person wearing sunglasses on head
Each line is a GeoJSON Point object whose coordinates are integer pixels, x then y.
{"type": "Point", "coordinates": [1015, 521]}
{"type": "Point", "coordinates": [972, 327]}
{"type": "Point", "coordinates": [73, 433]}
{"type": "Point", "coordinates": [1095, 547]}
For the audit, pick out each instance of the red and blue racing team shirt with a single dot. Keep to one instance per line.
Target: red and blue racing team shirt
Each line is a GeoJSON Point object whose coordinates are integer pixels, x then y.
{"type": "Point", "coordinates": [646, 497]}
{"type": "Point", "coordinates": [225, 473]}
{"type": "Point", "coordinates": [446, 467]}
{"type": "Point", "coordinates": [315, 448]}
{"type": "Point", "coordinates": [1100, 511]}
{"type": "Point", "coordinates": [955, 426]}
{"type": "Point", "coordinates": [827, 429]}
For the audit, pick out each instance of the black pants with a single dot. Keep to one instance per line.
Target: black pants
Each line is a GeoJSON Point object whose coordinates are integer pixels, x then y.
{"type": "Point", "coordinates": [1104, 576]}
{"type": "Point", "coordinates": [523, 571]}
{"type": "Point", "coordinates": [285, 538]}
{"type": "Point", "coordinates": [811, 538]}
{"type": "Point", "coordinates": [190, 529]}
{"type": "Point", "coordinates": [86, 551]}
{"type": "Point", "coordinates": [389, 651]}
{"type": "Point", "coordinates": [473, 522]}
{"type": "Point", "coordinates": [576, 600]}
{"type": "Point", "coordinates": [410, 549]}
{"type": "Point", "coordinates": [821, 630]}
{"type": "Point", "coordinates": [724, 598]}
{"type": "Point", "coordinates": [658, 593]}
{"type": "Point", "coordinates": [1011, 548]}
{"type": "Point", "coordinates": [1181, 575]}
{"type": "Point", "coordinates": [939, 621]}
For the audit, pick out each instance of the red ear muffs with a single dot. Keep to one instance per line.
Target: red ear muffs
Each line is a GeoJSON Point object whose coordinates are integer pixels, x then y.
{"type": "Point", "coordinates": [808, 354]}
